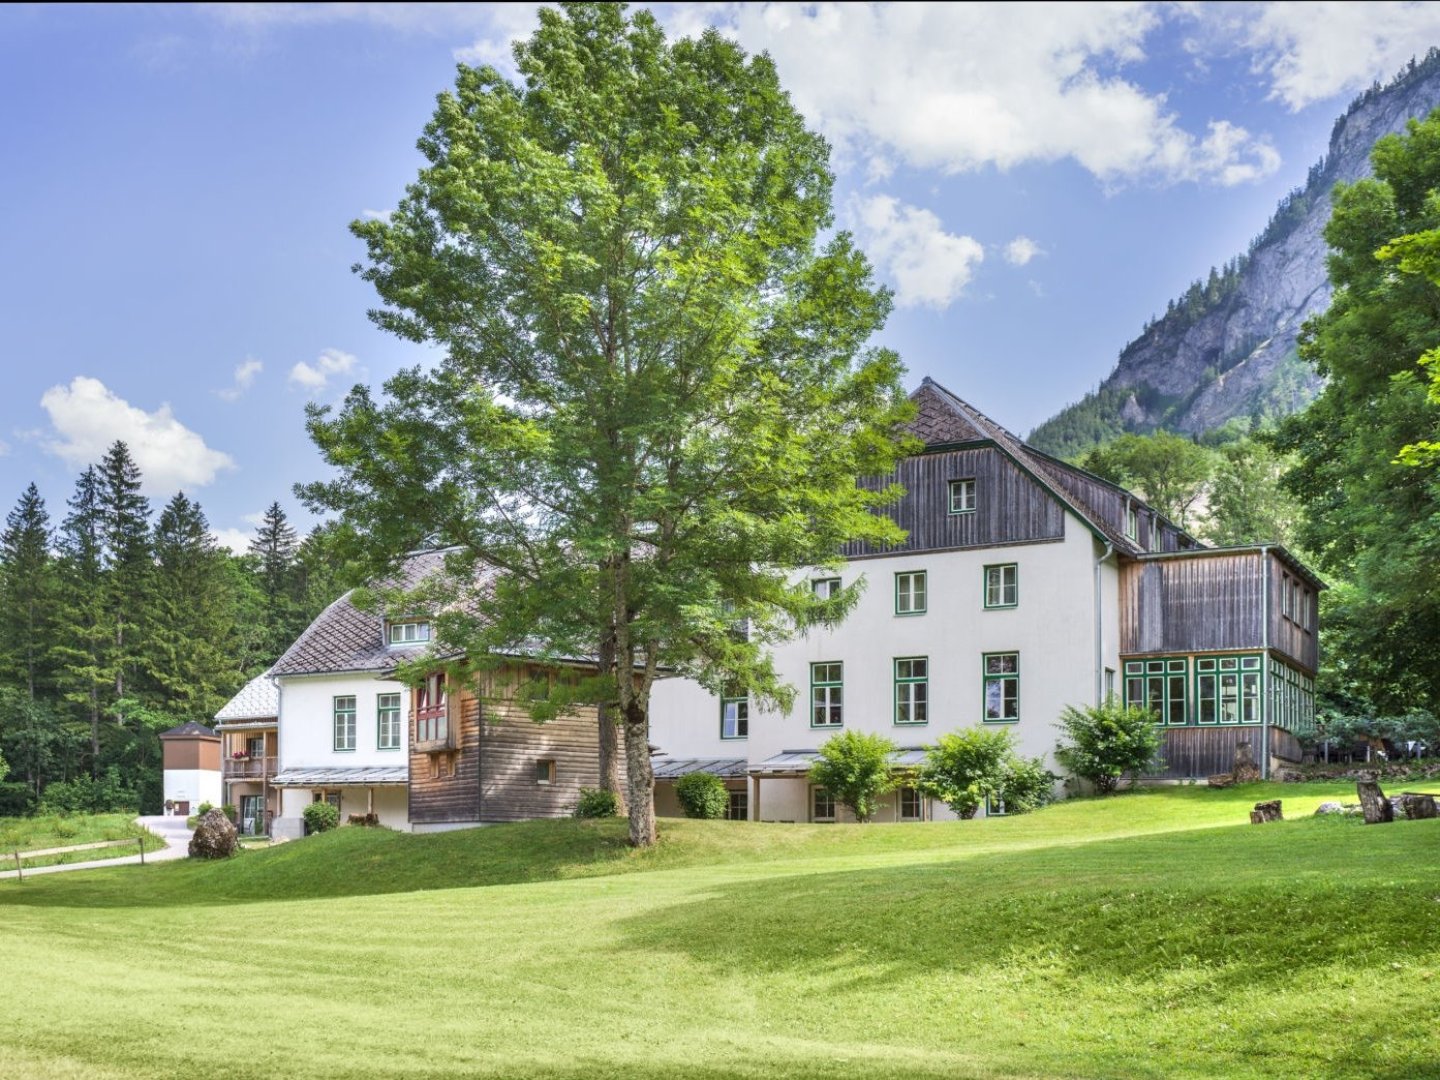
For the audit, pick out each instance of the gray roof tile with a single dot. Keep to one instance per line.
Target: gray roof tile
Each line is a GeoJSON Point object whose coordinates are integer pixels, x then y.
{"type": "Point", "coordinates": [259, 699]}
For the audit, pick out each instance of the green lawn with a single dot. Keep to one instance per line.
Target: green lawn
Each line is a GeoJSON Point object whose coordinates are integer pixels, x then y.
{"type": "Point", "coordinates": [1142, 936]}
{"type": "Point", "coordinates": [39, 833]}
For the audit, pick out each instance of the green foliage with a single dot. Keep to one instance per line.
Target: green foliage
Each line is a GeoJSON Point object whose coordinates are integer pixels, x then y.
{"type": "Point", "coordinates": [1104, 743]}
{"type": "Point", "coordinates": [595, 803]}
{"type": "Point", "coordinates": [320, 817]}
{"type": "Point", "coordinates": [702, 795]}
{"type": "Point", "coordinates": [204, 808]}
{"type": "Point", "coordinates": [16, 800]}
{"type": "Point", "coordinates": [1169, 471]}
{"type": "Point", "coordinates": [1370, 521]}
{"type": "Point", "coordinates": [1247, 503]}
{"type": "Point", "coordinates": [111, 793]}
{"type": "Point", "coordinates": [656, 392]}
{"type": "Point", "coordinates": [230, 812]}
{"type": "Point", "coordinates": [965, 769]}
{"type": "Point", "coordinates": [855, 768]}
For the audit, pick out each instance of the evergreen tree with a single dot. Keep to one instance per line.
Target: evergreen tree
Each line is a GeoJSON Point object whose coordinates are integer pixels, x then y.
{"type": "Point", "coordinates": [276, 547]}
{"type": "Point", "coordinates": [27, 594]}
{"type": "Point", "coordinates": [125, 523]}
{"type": "Point", "coordinates": [82, 631]}
{"type": "Point", "coordinates": [190, 620]}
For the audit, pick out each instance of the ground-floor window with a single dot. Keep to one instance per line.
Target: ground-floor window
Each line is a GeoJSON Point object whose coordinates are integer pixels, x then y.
{"type": "Point", "coordinates": [911, 807]}
{"type": "Point", "coordinates": [994, 806]}
{"type": "Point", "coordinates": [1227, 689]}
{"type": "Point", "coordinates": [822, 805]}
{"type": "Point", "coordinates": [1292, 699]}
{"type": "Point", "coordinates": [1158, 685]}
{"type": "Point", "coordinates": [739, 808]}
{"type": "Point", "coordinates": [252, 815]}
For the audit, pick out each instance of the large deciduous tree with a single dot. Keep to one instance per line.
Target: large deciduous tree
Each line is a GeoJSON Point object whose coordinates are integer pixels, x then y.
{"type": "Point", "coordinates": [1170, 471]}
{"type": "Point", "coordinates": [656, 392]}
{"type": "Point", "coordinates": [1371, 521]}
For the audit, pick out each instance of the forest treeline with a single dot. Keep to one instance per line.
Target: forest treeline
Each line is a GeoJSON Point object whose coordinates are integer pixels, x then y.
{"type": "Point", "coordinates": [118, 621]}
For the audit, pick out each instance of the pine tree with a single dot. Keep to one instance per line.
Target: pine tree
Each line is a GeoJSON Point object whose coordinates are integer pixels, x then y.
{"type": "Point", "coordinates": [27, 594]}
{"type": "Point", "coordinates": [276, 547]}
{"type": "Point", "coordinates": [82, 631]}
{"type": "Point", "coordinates": [125, 518]}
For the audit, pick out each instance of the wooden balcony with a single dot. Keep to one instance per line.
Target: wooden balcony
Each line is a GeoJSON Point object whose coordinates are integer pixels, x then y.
{"type": "Point", "coordinates": [248, 768]}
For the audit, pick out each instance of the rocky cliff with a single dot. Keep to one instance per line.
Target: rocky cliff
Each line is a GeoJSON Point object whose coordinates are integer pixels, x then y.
{"type": "Point", "coordinates": [1227, 348]}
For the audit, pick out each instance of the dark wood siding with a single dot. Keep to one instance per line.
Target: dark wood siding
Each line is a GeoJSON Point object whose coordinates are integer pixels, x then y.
{"type": "Point", "coordinates": [1107, 503]}
{"type": "Point", "coordinates": [445, 785]}
{"type": "Point", "coordinates": [1193, 752]}
{"type": "Point", "coordinates": [1199, 604]}
{"type": "Point", "coordinates": [1010, 507]}
{"type": "Point", "coordinates": [1296, 636]}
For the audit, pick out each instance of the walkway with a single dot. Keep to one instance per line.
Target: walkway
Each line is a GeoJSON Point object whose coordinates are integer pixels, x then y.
{"type": "Point", "coordinates": [172, 830]}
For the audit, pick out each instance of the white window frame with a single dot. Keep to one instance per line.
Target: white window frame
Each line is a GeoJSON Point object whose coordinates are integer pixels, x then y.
{"type": "Point", "coordinates": [964, 487]}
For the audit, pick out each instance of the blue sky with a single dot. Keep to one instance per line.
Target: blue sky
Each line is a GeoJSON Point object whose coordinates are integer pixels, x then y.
{"type": "Point", "coordinates": [1034, 182]}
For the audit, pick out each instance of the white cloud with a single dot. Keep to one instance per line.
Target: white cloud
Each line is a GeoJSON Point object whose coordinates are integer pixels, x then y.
{"type": "Point", "coordinates": [245, 373]}
{"type": "Point", "coordinates": [959, 87]}
{"type": "Point", "coordinates": [1314, 51]}
{"type": "Point", "coordinates": [376, 215]}
{"type": "Point", "coordinates": [314, 377]}
{"type": "Point", "coordinates": [237, 540]}
{"type": "Point", "coordinates": [88, 418]}
{"type": "Point", "coordinates": [1021, 250]}
{"type": "Point", "coordinates": [928, 266]}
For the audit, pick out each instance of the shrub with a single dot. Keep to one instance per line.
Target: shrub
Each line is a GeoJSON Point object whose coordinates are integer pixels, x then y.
{"type": "Point", "coordinates": [16, 800]}
{"type": "Point", "coordinates": [964, 768]}
{"type": "Point", "coordinates": [702, 795]}
{"type": "Point", "coordinates": [203, 809]}
{"type": "Point", "coordinates": [1103, 743]}
{"type": "Point", "coordinates": [320, 817]}
{"type": "Point", "coordinates": [855, 769]}
{"type": "Point", "coordinates": [1027, 785]}
{"type": "Point", "coordinates": [229, 811]}
{"type": "Point", "coordinates": [106, 795]}
{"type": "Point", "coordinates": [595, 803]}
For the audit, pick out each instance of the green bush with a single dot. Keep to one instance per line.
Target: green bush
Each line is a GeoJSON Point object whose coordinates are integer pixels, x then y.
{"type": "Point", "coordinates": [16, 800]}
{"type": "Point", "coordinates": [702, 795]}
{"type": "Point", "coordinates": [965, 768]}
{"type": "Point", "coordinates": [320, 817]}
{"type": "Point", "coordinates": [203, 809]}
{"type": "Point", "coordinates": [1104, 743]}
{"type": "Point", "coordinates": [595, 803]}
{"type": "Point", "coordinates": [1027, 785]}
{"type": "Point", "coordinates": [855, 769]}
{"type": "Point", "coordinates": [229, 811]}
{"type": "Point", "coordinates": [107, 795]}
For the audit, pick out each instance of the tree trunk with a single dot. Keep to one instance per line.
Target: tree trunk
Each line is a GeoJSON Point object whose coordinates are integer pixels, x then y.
{"type": "Point", "coordinates": [1418, 807]}
{"type": "Point", "coordinates": [609, 728]}
{"type": "Point", "coordinates": [1373, 803]}
{"type": "Point", "coordinates": [1266, 811]}
{"type": "Point", "coordinates": [641, 780]}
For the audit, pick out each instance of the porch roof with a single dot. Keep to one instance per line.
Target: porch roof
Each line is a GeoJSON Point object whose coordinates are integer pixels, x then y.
{"type": "Point", "coordinates": [668, 768]}
{"type": "Point", "coordinates": [797, 762]}
{"type": "Point", "coordinates": [363, 776]}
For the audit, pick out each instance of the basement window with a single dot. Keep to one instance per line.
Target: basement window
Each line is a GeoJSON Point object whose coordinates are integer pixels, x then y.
{"type": "Point", "coordinates": [545, 771]}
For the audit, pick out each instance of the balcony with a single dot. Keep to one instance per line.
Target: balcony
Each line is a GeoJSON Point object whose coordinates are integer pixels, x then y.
{"type": "Point", "coordinates": [248, 768]}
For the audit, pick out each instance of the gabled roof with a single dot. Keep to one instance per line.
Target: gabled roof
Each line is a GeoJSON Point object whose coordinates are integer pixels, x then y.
{"type": "Point", "coordinates": [343, 638]}
{"type": "Point", "coordinates": [259, 699]}
{"type": "Point", "coordinates": [944, 418]}
{"type": "Point", "coordinates": [190, 728]}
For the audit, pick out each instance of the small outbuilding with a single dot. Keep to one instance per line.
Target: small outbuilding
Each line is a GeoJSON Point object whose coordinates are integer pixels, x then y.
{"type": "Point", "coordinates": [191, 755]}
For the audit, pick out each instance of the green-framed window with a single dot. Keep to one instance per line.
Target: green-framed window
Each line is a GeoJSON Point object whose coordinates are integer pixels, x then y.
{"type": "Point", "coordinates": [910, 804]}
{"type": "Point", "coordinates": [962, 495]}
{"type": "Point", "coordinates": [827, 694]}
{"type": "Point", "coordinates": [912, 690]}
{"type": "Point", "coordinates": [387, 722]}
{"type": "Point", "coordinates": [910, 592]}
{"type": "Point", "coordinates": [1227, 690]}
{"type": "Point", "coordinates": [824, 588]}
{"type": "Point", "coordinates": [738, 806]}
{"type": "Point", "coordinates": [1160, 686]}
{"type": "Point", "coordinates": [1002, 585]}
{"type": "Point", "coordinates": [822, 805]}
{"type": "Point", "coordinates": [735, 718]}
{"type": "Point", "coordinates": [345, 722]}
{"type": "Point", "coordinates": [1002, 687]}
{"type": "Point", "coordinates": [1292, 699]}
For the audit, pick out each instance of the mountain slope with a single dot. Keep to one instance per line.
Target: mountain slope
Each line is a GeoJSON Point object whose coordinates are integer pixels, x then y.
{"type": "Point", "coordinates": [1226, 349]}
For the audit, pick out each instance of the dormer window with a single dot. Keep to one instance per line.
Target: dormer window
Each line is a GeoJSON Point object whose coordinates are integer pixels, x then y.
{"type": "Point", "coordinates": [1132, 521]}
{"type": "Point", "coordinates": [962, 496]}
{"type": "Point", "coordinates": [409, 633]}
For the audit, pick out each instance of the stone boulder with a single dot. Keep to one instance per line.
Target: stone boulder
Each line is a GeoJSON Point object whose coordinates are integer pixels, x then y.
{"type": "Point", "coordinates": [1266, 811]}
{"type": "Point", "coordinates": [215, 837]}
{"type": "Point", "coordinates": [1417, 807]}
{"type": "Point", "coordinates": [1330, 808]}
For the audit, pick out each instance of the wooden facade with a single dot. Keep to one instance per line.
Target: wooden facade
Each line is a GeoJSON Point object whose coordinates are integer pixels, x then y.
{"type": "Point", "coordinates": [1010, 507]}
{"type": "Point", "coordinates": [498, 764]}
{"type": "Point", "coordinates": [1111, 504]}
{"type": "Point", "coordinates": [1193, 752]}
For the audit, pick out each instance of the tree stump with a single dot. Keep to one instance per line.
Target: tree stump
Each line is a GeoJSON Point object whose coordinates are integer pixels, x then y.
{"type": "Point", "coordinates": [215, 837]}
{"type": "Point", "coordinates": [1373, 803]}
{"type": "Point", "coordinates": [1245, 771]}
{"type": "Point", "coordinates": [1419, 806]}
{"type": "Point", "coordinates": [1266, 811]}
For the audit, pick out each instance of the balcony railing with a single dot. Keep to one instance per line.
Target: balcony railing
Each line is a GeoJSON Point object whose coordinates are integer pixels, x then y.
{"type": "Point", "coordinates": [248, 768]}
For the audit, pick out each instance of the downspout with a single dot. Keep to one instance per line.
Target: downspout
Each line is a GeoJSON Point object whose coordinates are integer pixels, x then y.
{"type": "Point", "coordinates": [1100, 625]}
{"type": "Point", "coordinates": [1265, 665]}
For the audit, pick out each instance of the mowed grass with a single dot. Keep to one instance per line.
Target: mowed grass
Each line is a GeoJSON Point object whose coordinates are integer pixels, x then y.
{"type": "Point", "coordinates": [40, 833]}
{"type": "Point", "coordinates": [1149, 935]}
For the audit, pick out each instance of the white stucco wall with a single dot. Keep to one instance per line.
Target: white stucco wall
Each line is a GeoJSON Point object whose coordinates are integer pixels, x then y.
{"type": "Point", "coordinates": [193, 786]}
{"type": "Point", "coordinates": [1053, 628]}
{"type": "Point", "coordinates": [392, 805]}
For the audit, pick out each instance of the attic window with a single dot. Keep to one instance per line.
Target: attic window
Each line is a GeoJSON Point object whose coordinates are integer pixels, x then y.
{"type": "Point", "coordinates": [962, 496]}
{"type": "Point", "coordinates": [409, 633]}
{"type": "Point", "coordinates": [1132, 521]}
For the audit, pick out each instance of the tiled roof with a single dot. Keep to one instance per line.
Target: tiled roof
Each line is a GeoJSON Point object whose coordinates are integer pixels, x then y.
{"type": "Point", "coordinates": [345, 638]}
{"type": "Point", "coordinates": [798, 761]}
{"type": "Point", "coordinates": [259, 699]}
{"type": "Point", "coordinates": [361, 776]}
{"type": "Point", "coordinates": [190, 728]}
{"type": "Point", "coordinates": [667, 768]}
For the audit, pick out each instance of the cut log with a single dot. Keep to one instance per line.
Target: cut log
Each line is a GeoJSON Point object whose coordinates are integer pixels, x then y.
{"type": "Point", "coordinates": [1221, 780]}
{"type": "Point", "coordinates": [1244, 770]}
{"type": "Point", "coordinates": [1419, 806]}
{"type": "Point", "coordinates": [1266, 811]}
{"type": "Point", "coordinates": [1373, 803]}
